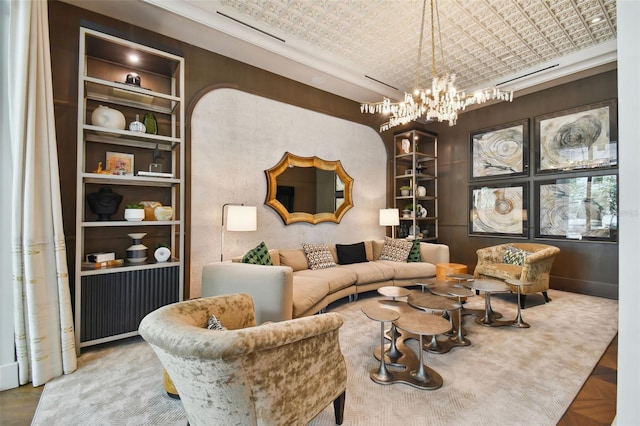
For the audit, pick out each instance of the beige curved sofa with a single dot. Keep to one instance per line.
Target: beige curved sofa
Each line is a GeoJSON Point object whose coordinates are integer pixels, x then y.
{"type": "Point", "coordinates": [289, 289]}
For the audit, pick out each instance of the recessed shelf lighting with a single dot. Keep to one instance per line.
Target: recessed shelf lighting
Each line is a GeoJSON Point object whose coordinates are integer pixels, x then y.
{"type": "Point", "coordinates": [134, 58]}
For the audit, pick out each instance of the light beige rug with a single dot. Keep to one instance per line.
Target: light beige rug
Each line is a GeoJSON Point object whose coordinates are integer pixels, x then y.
{"type": "Point", "coordinates": [507, 376]}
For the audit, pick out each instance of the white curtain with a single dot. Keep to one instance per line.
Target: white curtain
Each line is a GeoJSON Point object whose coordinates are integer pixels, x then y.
{"type": "Point", "coordinates": [44, 335]}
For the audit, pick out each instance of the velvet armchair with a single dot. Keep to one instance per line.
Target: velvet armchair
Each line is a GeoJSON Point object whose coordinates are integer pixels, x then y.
{"type": "Point", "coordinates": [536, 266]}
{"type": "Point", "coordinates": [272, 374]}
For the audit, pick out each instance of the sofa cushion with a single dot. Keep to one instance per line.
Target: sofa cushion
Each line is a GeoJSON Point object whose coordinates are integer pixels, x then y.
{"type": "Point", "coordinates": [410, 270]}
{"type": "Point", "coordinates": [351, 253]}
{"type": "Point", "coordinates": [258, 255]}
{"type": "Point", "coordinates": [414, 254]}
{"type": "Point", "coordinates": [307, 291]}
{"type": "Point", "coordinates": [294, 258]}
{"type": "Point", "coordinates": [318, 256]}
{"type": "Point", "coordinates": [368, 248]}
{"type": "Point", "coordinates": [395, 250]}
{"type": "Point", "coordinates": [514, 255]}
{"type": "Point", "coordinates": [336, 278]}
{"type": "Point", "coordinates": [376, 246]}
{"type": "Point", "coordinates": [370, 272]}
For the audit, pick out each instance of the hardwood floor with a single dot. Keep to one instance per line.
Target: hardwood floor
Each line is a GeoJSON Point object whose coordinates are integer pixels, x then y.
{"type": "Point", "coordinates": [594, 405]}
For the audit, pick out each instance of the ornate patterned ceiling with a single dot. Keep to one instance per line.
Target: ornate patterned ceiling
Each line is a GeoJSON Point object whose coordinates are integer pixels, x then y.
{"type": "Point", "coordinates": [365, 49]}
{"type": "Point", "coordinates": [483, 40]}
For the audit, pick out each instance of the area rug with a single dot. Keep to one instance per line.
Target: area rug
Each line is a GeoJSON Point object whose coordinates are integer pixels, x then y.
{"type": "Point", "coordinates": [507, 376]}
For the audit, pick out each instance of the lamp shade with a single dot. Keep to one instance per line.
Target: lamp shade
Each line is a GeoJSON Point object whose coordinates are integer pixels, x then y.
{"type": "Point", "coordinates": [241, 218]}
{"type": "Point", "coordinates": [389, 217]}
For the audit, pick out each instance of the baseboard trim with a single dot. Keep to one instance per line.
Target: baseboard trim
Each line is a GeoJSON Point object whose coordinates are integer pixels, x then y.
{"type": "Point", "coordinates": [9, 376]}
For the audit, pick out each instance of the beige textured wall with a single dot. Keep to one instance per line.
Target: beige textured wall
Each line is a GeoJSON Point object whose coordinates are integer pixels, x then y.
{"type": "Point", "coordinates": [236, 136]}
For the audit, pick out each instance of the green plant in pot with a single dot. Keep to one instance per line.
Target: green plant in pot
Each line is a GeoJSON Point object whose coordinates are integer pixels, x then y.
{"type": "Point", "coordinates": [134, 212]}
{"type": "Point", "coordinates": [407, 210]}
{"type": "Point", "coordinates": [405, 190]}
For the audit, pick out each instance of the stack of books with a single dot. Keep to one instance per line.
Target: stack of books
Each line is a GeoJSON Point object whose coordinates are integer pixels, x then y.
{"type": "Point", "coordinates": [101, 260]}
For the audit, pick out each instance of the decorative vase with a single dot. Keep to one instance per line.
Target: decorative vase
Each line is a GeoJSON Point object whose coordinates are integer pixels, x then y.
{"type": "Point", "coordinates": [150, 123]}
{"type": "Point", "coordinates": [133, 79]}
{"type": "Point", "coordinates": [137, 126]}
{"type": "Point", "coordinates": [149, 207]}
{"type": "Point", "coordinates": [134, 215]}
{"type": "Point", "coordinates": [104, 203]}
{"type": "Point", "coordinates": [109, 118]}
{"type": "Point", "coordinates": [163, 213]}
{"type": "Point", "coordinates": [162, 254]}
{"type": "Point", "coordinates": [137, 252]}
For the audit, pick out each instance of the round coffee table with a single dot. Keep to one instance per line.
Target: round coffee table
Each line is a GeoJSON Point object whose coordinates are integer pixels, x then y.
{"type": "Point", "coordinates": [518, 322]}
{"type": "Point", "coordinates": [421, 324]}
{"type": "Point", "coordinates": [488, 287]}
{"type": "Point", "coordinates": [394, 354]}
{"type": "Point", "coordinates": [430, 301]}
{"type": "Point", "coordinates": [452, 289]}
{"type": "Point", "coordinates": [377, 313]}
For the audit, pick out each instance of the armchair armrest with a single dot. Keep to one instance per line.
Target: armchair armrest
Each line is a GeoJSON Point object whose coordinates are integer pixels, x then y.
{"type": "Point", "coordinates": [434, 253]}
{"type": "Point", "coordinates": [541, 255]}
{"type": "Point", "coordinates": [537, 265]}
{"type": "Point", "coordinates": [271, 287]}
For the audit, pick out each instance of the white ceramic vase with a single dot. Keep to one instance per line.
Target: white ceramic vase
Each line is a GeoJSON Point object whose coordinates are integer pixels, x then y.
{"type": "Point", "coordinates": [162, 254]}
{"type": "Point", "coordinates": [109, 118]}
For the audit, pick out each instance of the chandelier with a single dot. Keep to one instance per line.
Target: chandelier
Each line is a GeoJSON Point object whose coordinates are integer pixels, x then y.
{"type": "Point", "coordinates": [441, 101]}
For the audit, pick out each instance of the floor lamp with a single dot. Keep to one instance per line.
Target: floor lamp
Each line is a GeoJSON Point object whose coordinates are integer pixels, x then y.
{"type": "Point", "coordinates": [390, 217]}
{"type": "Point", "coordinates": [239, 218]}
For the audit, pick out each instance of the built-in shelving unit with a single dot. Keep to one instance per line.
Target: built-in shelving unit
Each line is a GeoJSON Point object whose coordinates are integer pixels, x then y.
{"type": "Point", "coordinates": [416, 184]}
{"type": "Point", "coordinates": [110, 302]}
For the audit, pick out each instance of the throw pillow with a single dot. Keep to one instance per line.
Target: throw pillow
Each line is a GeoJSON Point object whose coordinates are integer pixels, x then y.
{"type": "Point", "coordinates": [514, 255]}
{"type": "Point", "coordinates": [396, 250]}
{"type": "Point", "coordinates": [351, 253]}
{"type": "Point", "coordinates": [258, 255]}
{"type": "Point", "coordinates": [414, 254]}
{"type": "Point", "coordinates": [318, 256]}
{"type": "Point", "coordinates": [215, 324]}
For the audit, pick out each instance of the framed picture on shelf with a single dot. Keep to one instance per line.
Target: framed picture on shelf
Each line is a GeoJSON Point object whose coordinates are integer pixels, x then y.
{"type": "Point", "coordinates": [119, 163]}
{"type": "Point", "coordinates": [499, 210]}
{"type": "Point", "coordinates": [578, 208]}
{"type": "Point", "coordinates": [579, 138]}
{"type": "Point", "coordinates": [500, 151]}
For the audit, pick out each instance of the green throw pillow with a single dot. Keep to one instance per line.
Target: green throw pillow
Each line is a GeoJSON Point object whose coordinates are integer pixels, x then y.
{"type": "Point", "coordinates": [414, 254]}
{"type": "Point", "coordinates": [514, 255]}
{"type": "Point", "coordinates": [258, 255]}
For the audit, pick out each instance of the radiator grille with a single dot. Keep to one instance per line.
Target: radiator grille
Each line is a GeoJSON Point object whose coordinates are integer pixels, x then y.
{"type": "Point", "coordinates": [114, 304]}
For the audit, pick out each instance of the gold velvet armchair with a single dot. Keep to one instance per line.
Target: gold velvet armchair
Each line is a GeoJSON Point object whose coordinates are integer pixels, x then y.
{"type": "Point", "coordinates": [280, 373]}
{"type": "Point", "coordinates": [536, 266]}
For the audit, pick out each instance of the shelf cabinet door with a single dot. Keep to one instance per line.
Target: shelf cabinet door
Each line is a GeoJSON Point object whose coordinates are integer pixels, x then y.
{"type": "Point", "coordinates": [114, 304]}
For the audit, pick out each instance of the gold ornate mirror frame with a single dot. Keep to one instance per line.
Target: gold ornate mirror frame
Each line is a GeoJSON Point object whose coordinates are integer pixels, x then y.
{"type": "Point", "coordinates": [291, 160]}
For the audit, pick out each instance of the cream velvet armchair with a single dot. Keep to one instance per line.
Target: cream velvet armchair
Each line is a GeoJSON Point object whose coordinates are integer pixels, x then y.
{"type": "Point", "coordinates": [281, 373]}
{"type": "Point", "coordinates": [536, 267]}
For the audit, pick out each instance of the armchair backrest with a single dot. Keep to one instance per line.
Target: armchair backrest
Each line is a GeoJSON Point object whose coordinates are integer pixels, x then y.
{"type": "Point", "coordinates": [232, 376]}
